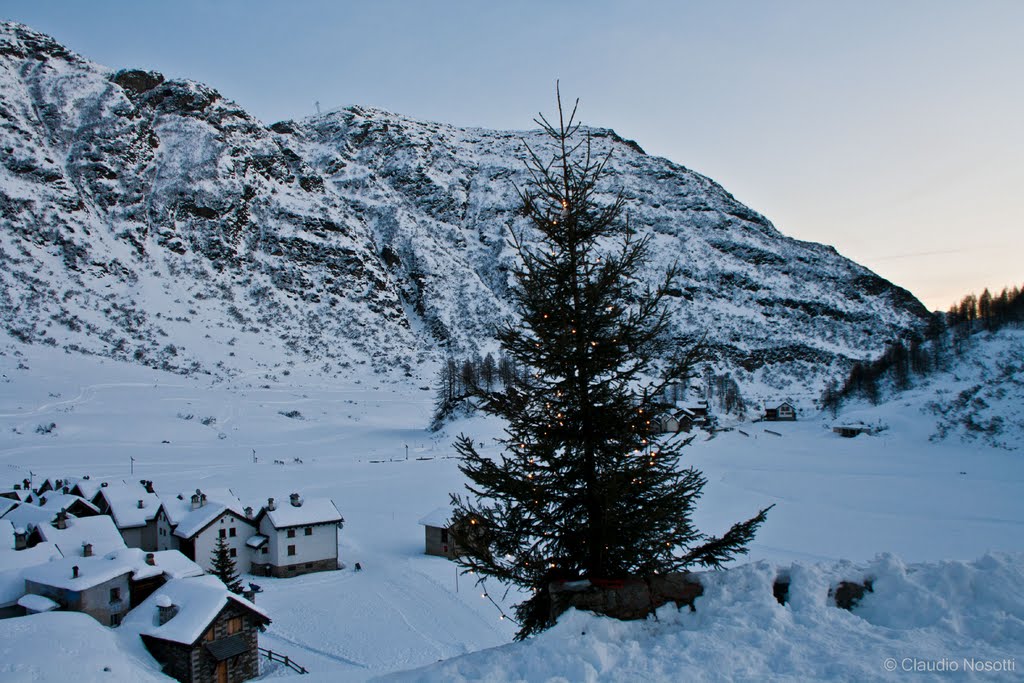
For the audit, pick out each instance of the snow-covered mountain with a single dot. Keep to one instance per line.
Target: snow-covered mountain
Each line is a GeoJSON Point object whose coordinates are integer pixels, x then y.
{"type": "Point", "coordinates": [152, 219]}
{"type": "Point", "coordinates": [975, 397]}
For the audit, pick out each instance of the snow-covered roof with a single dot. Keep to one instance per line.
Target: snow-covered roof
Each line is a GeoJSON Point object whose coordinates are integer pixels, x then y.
{"type": "Point", "coordinates": [5, 505]}
{"type": "Point", "coordinates": [199, 600]}
{"type": "Point", "coordinates": [15, 559]}
{"type": "Point", "coordinates": [92, 571]}
{"type": "Point", "coordinates": [179, 506]}
{"type": "Point", "coordinates": [62, 501]}
{"type": "Point", "coordinates": [27, 515]}
{"type": "Point", "coordinates": [88, 487]}
{"type": "Point", "coordinates": [170, 563]}
{"type": "Point", "coordinates": [19, 494]}
{"type": "Point", "coordinates": [202, 517]}
{"type": "Point", "coordinates": [37, 603]}
{"type": "Point", "coordinates": [98, 531]}
{"type": "Point", "coordinates": [123, 499]}
{"type": "Point", "coordinates": [311, 511]}
{"type": "Point", "coordinates": [256, 541]}
{"type": "Point", "coordinates": [12, 567]}
{"type": "Point", "coordinates": [29, 557]}
{"type": "Point", "coordinates": [441, 517]}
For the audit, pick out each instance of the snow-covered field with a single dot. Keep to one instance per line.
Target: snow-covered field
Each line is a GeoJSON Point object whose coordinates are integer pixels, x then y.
{"type": "Point", "coordinates": [362, 442]}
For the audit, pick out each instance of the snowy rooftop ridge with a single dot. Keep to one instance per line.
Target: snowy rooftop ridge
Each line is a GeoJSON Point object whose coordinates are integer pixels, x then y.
{"type": "Point", "coordinates": [180, 508]}
{"type": "Point", "coordinates": [199, 600]}
{"type": "Point", "coordinates": [124, 499]}
{"type": "Point", "coordinates": [308, 512]}
{"type": "Point", "coordinates": [439, 517]}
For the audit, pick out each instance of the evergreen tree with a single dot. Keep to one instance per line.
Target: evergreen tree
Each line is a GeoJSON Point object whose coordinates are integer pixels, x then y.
{"type": "Point", "coordinates": [578, 490]}
{"type": "Point", "coordinates": [224, 567]}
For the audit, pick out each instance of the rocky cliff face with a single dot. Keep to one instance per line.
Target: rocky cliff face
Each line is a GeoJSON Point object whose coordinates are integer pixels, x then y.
{"type": "Point", "coordinates": [152, 219]}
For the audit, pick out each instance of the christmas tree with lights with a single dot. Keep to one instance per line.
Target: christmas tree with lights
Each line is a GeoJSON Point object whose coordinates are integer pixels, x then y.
{"type": "Point", "coordinates": [581, 488]}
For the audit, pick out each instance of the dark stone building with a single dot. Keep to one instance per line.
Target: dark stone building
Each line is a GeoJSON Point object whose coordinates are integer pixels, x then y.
{"type": "Point", "coordinates": [200, 631]}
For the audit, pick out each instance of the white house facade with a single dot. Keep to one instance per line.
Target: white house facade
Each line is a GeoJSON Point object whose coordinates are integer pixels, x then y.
{"type": "Point", "coordinates": [198, 531]}
{"type": "Point", "coordinates": [297, 538]}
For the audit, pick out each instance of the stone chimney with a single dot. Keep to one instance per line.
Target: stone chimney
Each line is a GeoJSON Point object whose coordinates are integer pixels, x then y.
{"type": "Point", "coordinates": [148, 483]}
{"type": "Point", "coordinates": [66, 490]}
{"type": "Point", "coordinates": [166, 608]}
{"type": "Point", "coordinates": [26, 484]}
{"type": "Point", "coordinates": [86, 549]}
{"type": "Point", "coordinates": [151, 559]}
{"type": "Point", "coordinates": [74, 572]}
{"type": "Point", "coordinates": [270, 504]}
{"type": "Point", "coordinates": [17, 487]}
{"type": "Point", "coordinates": [142, 503]}
{"type": "Point", "coordinates": [248, 512]}
{"type": "Point", "coordinates": [103, 484]}
{"type": "Point", "coordinates": [62, 519]}
{"type": "Point", "coordinates": [20, 539]}
{"type": "Point", "coordinates": [197, 499]}
{"type": "Point", "coordinates": [296, 500]}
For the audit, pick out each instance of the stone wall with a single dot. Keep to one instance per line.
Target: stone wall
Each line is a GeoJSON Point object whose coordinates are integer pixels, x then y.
{"type": "Point", "coordinates": [632, 598]}
{"type": "Point", "coordinates": [636, 598]}
{"type": "Point", "coordinates": [289, 570]}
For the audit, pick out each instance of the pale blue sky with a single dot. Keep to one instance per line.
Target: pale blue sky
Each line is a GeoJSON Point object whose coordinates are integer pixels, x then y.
{"type": "Point", "coordinates": [889, 129]}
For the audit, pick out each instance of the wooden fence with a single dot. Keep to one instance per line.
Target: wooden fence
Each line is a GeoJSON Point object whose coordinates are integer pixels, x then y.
{"type": "Point", "coordinates": [284, 659]}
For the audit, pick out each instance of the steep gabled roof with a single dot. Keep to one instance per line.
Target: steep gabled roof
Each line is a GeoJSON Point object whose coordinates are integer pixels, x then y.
{"type": "Point", "coordinates": [198, 600]}
{"type": "Point", "coordinates": [64, 501]}
{"type": "Point", "coordinates": [123, 500]}
{"type": "Point", "coordinates": [200, 518]}
{"type": "Point", "coordinates": [178, 507]}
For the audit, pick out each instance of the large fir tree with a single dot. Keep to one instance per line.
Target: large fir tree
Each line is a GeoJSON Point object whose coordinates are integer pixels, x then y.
{"type": "Point", "coordinates": [581, 488]}
{"type": "Point", "coordinates": [224, 567]}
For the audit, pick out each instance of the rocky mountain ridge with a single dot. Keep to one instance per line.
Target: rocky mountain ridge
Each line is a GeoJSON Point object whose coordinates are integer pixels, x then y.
{"type": "Point", "coordinates": [152, 219]}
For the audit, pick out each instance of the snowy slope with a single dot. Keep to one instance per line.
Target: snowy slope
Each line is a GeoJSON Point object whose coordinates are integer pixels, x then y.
{"type": "Point", "coordinates": [836, 499]}
{"type": "Point", "coordinates": [155, 221]}
{"type": "Point", "coordinates": [978, 398]}
{"type": "Point", "coordinates": [941, 621]}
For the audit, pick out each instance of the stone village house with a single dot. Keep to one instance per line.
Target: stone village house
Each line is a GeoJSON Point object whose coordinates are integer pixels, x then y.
{"type": "Point", "coordinates": [199, 631]}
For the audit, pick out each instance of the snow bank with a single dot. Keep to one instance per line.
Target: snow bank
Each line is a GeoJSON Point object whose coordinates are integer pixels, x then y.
{"type": "Point", "coordinates": [923, 620]}
{"type": "Point", "coordinates": [68, 646]}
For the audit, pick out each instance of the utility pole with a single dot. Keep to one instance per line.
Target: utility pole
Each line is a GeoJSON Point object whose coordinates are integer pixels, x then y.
{"type": "Point", "coordinates": [406, 451]}
{"type": "Point", "coordinates": [132, 458]}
